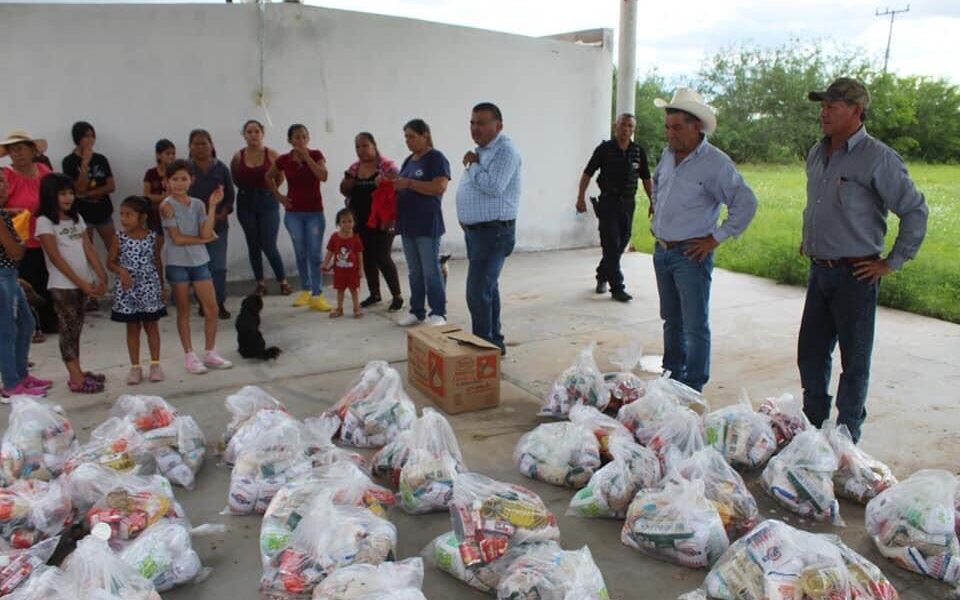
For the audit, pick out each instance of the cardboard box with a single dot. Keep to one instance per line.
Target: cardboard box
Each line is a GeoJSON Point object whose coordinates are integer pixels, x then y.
{"type": "Point", "coordinates": [457, 370]}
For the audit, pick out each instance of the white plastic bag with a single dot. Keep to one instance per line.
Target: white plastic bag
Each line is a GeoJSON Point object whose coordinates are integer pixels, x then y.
{"type": "Point", "coordinates": [859, 477]}
{"type": "Point", "coordinates": [263, 422]}
{"type": "Point", "coordinates": [132, 505]}
{"type": "Point", "coordinates": [343, 483]}
{"type": "Point", "coordinates": [386, 581]}
{"type": "Point", "coordinates": [604, 427]}
{"type": "Point", "coordinates": [663, 394]}
{"type": "Point", "coordinates": [32, 510]}
{"type": "Point", "coordinates": [16, 566]}
{"type": "Point", "coordinates": [164, 554]}
{"type": "Point", "coordinates": [98, 573]}
{"type": "Point", "coordinates": [613, 487]}
{"type": "Point", "coordinates": [547, 574]}
{"type": "Point", "coordinates": [243, 405]}
{"type": "Point", "coordinates": [489, 516]}
{"type": "Point", "coordinates": [724, 487]}
{"type": "Point", "coordinates": [444, 552]}
{"type": "Point", "coordinates": [581, 383]}
{"type": "Point", "coordinates": [786, 414]}
{"type": "Point", "coordinates": [913, 524]}
{"type": "Point", "coordinates": [329, 537]}
{"type": "Point", "coordinates": [624, 386]}
{"type": "Point", "coordinates": [679, 435]}
{"type": "Point", "coordinates": [775, 560]}
{"type": "Point", "coordinates": [801, 478]}
{"type": "Point", "coordinates": [676, 524]}
{"type": "Point", "coordinates": [318, 435]}
{"type": "Point", "coordinates": [743, 436]}
{"type": "Point", "coordinates": [37, 441]}
{"type": "Point", "coordinates": [560, 453]}
{"type": "Point", "coordinates": [116, 444]}
{"type": "Point", "coordinates": [375, 408]}
{"type": "Point", "coordinates": [45, 583]}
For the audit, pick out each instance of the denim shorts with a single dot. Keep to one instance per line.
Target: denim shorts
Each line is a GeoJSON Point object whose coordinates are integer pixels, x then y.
{"type": "Point", "coordinates": [178, 274]}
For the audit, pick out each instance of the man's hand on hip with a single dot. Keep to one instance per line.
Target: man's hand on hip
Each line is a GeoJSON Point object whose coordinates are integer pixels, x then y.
{"type": "Point", "coordinates": [871, 270]}
{"type": "Point", "coordinates": [700, 248]}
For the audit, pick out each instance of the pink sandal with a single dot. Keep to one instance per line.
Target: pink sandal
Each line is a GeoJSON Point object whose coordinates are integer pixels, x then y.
{"type": "Point", "coordinates": [87, 386]}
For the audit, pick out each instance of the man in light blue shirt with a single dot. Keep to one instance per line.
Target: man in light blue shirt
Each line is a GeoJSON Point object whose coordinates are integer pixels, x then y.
{"type": "Point", "coordinates": [691, 182]}
{"type": "Point", "coordinates": [487, 202]}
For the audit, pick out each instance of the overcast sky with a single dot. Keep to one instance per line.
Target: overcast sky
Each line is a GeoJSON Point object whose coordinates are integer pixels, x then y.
{"type": "Point", "coordinates": [674, 38]}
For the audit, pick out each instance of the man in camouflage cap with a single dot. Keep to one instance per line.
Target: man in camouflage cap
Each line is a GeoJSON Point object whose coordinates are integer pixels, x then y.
{"type": "Point", "coordinates": [853, 180]}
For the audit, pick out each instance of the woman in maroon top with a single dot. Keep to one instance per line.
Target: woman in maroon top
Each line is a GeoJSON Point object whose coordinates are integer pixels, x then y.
{"type": "Point", "coordinates": [257, 210]}
{"type": "Point", "coordinates": [155, 182]}
{"type": "Point", "coordinates": [304, 169]}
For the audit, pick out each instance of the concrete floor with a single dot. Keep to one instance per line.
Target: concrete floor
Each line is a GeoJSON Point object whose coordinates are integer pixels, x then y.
{"type": "Point", "coordinates": [549, 312]}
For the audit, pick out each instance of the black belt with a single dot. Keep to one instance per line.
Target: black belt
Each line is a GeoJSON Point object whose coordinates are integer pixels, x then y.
{"type": "Point", "coordinates": [847, 261]}
{"type": "Point", "coordinates": [490, 224]}
{"type": "Point", "coordinates": [669, 245]}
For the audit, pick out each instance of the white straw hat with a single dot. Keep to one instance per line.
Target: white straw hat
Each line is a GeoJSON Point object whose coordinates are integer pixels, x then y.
{"type": "Point", "coordinates": [689, 101]}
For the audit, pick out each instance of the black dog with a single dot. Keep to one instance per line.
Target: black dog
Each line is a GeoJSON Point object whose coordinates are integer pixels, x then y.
{"type": "Point", "coordinates": [249, 339]}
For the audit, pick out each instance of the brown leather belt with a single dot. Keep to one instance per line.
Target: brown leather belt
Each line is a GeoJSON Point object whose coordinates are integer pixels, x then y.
{"type": "Point", "coordinates": [670, 245]}
{"type": "Point", "coordinates": [848, 261]}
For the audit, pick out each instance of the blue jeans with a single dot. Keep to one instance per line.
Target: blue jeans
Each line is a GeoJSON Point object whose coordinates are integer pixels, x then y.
{"type": "Point", "coordinates": [217, 249]}
{"type": "Point", "coordinates": [487, 250]}
{"type": "Point", "coordinates": [259, 215]}
{"type": "Point", "coordinates": [16, 329]}
{"type": "Point", "coordinates": [306, 231]}
{"type": "Point", "coordinates": [838, 307]}
{"type": "Point", "coordinates": [684, 286]}
{"type": "Point", "coordinates": [426, 279]}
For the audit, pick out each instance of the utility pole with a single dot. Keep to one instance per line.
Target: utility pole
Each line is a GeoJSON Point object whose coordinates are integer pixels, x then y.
{"type": "Point", "coordinates": [627, 58]}
{"type": "Point", "coordinates": [893, 14]}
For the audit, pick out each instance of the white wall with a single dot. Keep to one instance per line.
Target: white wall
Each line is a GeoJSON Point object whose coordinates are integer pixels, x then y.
{"type": "Point", "coordinates": [143, 72]}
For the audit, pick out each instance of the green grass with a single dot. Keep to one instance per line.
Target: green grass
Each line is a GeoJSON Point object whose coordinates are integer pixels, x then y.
{"type": "Point", "coordinates": [928, 285]}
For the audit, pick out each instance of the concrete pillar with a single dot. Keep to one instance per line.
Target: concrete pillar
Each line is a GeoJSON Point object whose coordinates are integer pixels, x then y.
{"type": "Point", "coordinates": [627, 58]}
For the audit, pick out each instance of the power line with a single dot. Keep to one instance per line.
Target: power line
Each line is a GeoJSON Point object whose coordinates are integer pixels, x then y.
{"type": "Point", "coordinates": [893, 14]}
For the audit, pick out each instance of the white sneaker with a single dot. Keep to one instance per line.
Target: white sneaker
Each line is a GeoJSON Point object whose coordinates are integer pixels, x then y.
{"type": "Point", "coordinates": [213, 360]}
{"type": "Point", "coordinates": [193, 364]}
{"type": "Point", "coordinates": [436, 320]}
{"type": "Point", "coordinates": [409, 319]}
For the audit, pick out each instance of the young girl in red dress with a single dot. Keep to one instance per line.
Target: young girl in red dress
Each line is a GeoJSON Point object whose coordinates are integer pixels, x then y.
{"type": "Point", "coordinates": [345, 257]}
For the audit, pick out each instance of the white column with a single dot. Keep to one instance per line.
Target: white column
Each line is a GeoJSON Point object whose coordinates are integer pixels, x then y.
{"type": "Point", "coordinates": [627, 58]}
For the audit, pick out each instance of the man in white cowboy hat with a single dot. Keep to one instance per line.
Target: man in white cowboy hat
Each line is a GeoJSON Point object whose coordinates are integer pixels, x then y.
{"type": "Point", "coordinates": [853, 180]}
{"type": "Point", "coordinates": [691, 182]}
{"type": "Point", "coordinates": [622, 163]}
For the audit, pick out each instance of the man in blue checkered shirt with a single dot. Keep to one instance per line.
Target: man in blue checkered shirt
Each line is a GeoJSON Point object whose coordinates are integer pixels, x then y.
{"type": "Point", "coordinates": [487, 203]}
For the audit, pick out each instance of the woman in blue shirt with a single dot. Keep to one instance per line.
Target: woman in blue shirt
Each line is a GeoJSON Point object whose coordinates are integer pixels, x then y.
{"type": "Point", "coordinates": [420, 186]}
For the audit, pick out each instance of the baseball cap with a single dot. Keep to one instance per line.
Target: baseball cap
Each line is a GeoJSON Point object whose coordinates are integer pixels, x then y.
{"type": "Point", "coordinates": [844, 88]}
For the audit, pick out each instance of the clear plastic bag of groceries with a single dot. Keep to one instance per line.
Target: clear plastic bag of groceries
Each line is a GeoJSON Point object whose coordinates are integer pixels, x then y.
{"type": "Point", "coordinates": [269, 457]}
{"type": "Point", "coordinates": [801, 478]}
{"type": "Point", "coordinates": [561, 453]}
{"type": "Point", "coordinates": [786, 413]}
{"type": "Point", "coordinates": [116, 444]}
{"type": "Point", "coordinates": [444, 552]}
{"type": "Point", "coordinates": [45, 583]}
{"type": "Point", "coordinates": [386, 581]}
{"type": "Point", "coordinates": [17, 566]}
{"type": "Point", "coordinates": [425, 481]}
{"type": "Point", "coordinates": [742, 435]}
{"type": "Point", "coordinates": [318, 435]}
{"type": "Point", "coordinates": [343, 483]}
{"type": "Point", "coordinates": [262, 421]}
{"type": "Point", "coordinates": [913, 524]}
{"type": "Point", "coordinates": [489, 516]}
{"type": "Point", "coordinates": [375, 409]}
{"type": "Point", "coordinates": [676, 523]}
{"type": "Point", "coordinates": [37, 441]}
{"type": "Point", "coordinates": [329, 537]}
{"type": "Point", "coordinates": [100, 574]}
{"type": "Point", "coordinates": [604, 427]}
{"type": "Point", "coordinates": [860, 477]}
{"type": "Point", "coordinates": [32, 510]}
{"type": "Point", "coordinates": [724, 487]}
{"type": "Point", "coordinates": [645, 415]}
{"type": "Point", "coordinates": [243, 405]}
{"type": "Point", "coordinates": [430, 432]}
{"type": "Point", "coordinates": [613, 487]}
{"type": "Point", "coordinates": [147, 413]}
{"type": "Point", "coordinates": [775, 560]}
{"type": "Point", "coordinates": [132, 505]}
{"type": "Point", "coordinates": [624, 385]}
{"type": "Point", "coordinates": [549, 574]}
{"type": "Point", "coordinates": [679, 435]}
{"type": "Point", "coordinates": [164, 554]}
{"type": "Point", "coordinates": [581, 383]}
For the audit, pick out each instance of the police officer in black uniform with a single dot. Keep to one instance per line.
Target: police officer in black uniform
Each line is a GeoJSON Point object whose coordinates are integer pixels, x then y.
{"type": "Point", "coordinates": [621, 162]}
